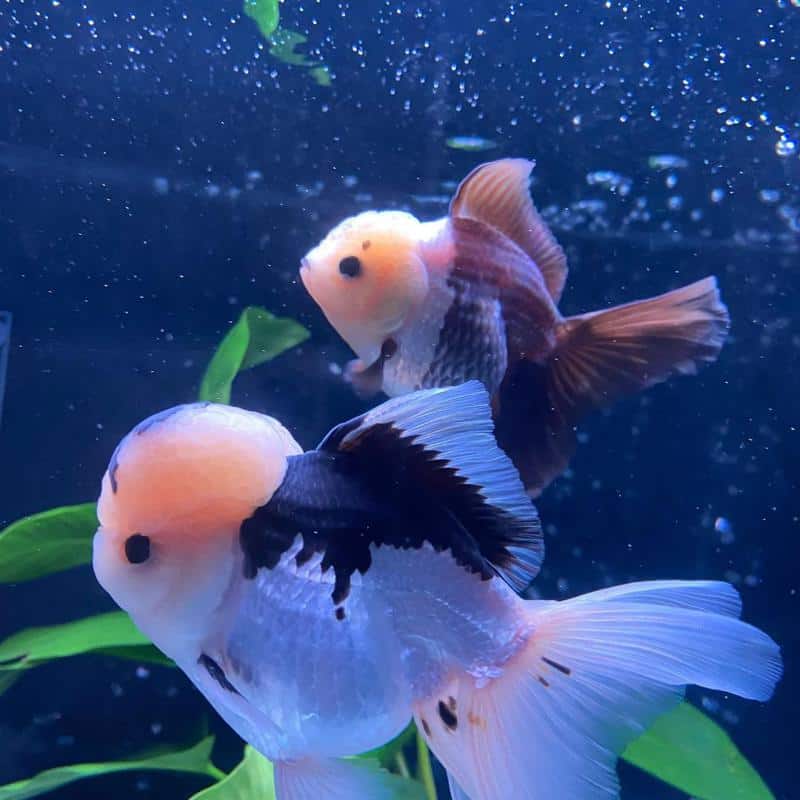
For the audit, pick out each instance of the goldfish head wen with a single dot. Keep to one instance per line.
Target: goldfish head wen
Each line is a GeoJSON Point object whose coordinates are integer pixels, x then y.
{"type": "Point", "coordinates": [367, 276]}
{"type": "Point", "coordinates": [173, 499]}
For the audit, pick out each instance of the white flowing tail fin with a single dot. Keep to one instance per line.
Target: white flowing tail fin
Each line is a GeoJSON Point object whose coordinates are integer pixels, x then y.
{"type": "Point", "coordinates": [596, 672]}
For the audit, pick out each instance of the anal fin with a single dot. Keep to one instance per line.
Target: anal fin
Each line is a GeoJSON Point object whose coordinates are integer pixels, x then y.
{"type": "Point", "coordinates": [340, 779]}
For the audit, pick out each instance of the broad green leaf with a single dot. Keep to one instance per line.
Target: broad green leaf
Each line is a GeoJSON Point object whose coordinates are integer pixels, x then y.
{"type": "Point", "coordinates": [257, 336]}
{"type": "Point", "coordinates": [196, 760]}
{"type": "Point", "coordinates": [48, 542]}
{"type": "Point", "coordinates": [265, 13]}
{"type": "Point", "coordinates": [692, 753]}
{"type": "Point", "coordinates": [113, 633]}
{"type": "Point", "coordinates": [283, 48]}
{"type": "Point", "coordinates": [250, 780]}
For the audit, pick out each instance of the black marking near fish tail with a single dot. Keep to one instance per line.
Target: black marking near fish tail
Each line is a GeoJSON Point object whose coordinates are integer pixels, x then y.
{"type": "Point", "coordinates": [448, 715]}
{"type": "Point", "coordinates": [555, 665]}
{"type": "Point", "coordinates": [216, 672]}
{"type": "Point", "coordinates": [472, 342]}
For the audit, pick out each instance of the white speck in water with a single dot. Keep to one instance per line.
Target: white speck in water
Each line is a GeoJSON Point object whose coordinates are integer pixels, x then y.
{"type": "Point", "coordinates": [160, 185]}
{"type": "Point", "coordinates": [710, 704]}
{"type": "Point", "coordinates": [671, 181]}
{"type": "Point", "coordinates": [769, 196]}
{"type": "Point", "coordinates": [785, 147]}
{"type": "Point", "coordinates": [142, 672]}
{"type": "Point", "coordinates": [675, 203]}
{"type": "Point", "coordinates": [717, 195]}
{"type": "Point", "coordinates": [725, 530]}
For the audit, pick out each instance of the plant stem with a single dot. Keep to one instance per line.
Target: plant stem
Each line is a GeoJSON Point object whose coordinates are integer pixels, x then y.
{"type": "Point", "coordinates": [402, 765]}
{"type": "Point", "coordinates": [216, 773]}
{"type": "Point", "coordinates": [424, 768]}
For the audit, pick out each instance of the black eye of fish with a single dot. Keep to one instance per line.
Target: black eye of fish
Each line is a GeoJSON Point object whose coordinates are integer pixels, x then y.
{"type": "Point", "coordinates": [137, 548]}
{"type": "Point", "coordinates": [350, 266]}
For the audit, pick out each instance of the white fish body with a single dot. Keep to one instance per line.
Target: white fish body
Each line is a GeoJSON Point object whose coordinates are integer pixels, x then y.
{"type": "Point", "coordinates": [378, 578]}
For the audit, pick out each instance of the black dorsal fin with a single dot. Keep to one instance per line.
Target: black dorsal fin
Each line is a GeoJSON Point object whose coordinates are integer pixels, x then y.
{"type": "Point", "coordinates": [440, 443]}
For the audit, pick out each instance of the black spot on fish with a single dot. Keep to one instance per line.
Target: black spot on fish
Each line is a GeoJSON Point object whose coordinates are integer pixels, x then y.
{"type": "Point", "coordinates": [448, 716]}
{"type": "Point", "coordinates": [425, 726]}
{"type": "Point", "coordinates": [388, 349]}
{"type": "Point", "coordinates": [340, 613]}
{"type": "Point", "coordinates": [556, 665]}
{"type": "Point", "coordinates": [162, 416]}
{"type": "Point", "coordinates": [216, 672]}
{"type": "Point", "coordinates": [366, 244]}
{"type": "Point", "coordinates": [543, 681]}
{"type": "Point", "coordinates": [113, 466]}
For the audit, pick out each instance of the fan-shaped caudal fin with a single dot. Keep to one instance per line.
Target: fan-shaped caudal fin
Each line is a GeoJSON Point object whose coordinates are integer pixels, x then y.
{"type": "Point", "coordinates": [340, 779]}
{"type": "Point", "coordinates": [497, 194]}
{"type": "Point", "coordinates": [599, 358]}
{"type": "Point", "coordinates": [596, 671]}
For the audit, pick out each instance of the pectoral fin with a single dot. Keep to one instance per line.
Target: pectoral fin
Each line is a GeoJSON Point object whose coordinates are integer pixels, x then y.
{"type": "Point", "coordinates": [367, 380]}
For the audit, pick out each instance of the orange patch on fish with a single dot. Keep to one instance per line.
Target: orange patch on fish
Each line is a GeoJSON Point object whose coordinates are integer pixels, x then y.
{"type": "Point", "coordinates": [193, 472]}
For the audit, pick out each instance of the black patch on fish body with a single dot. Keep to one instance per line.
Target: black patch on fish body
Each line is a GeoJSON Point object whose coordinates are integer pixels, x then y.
{"type": "Point", "coordinates": [216, 672]}
{"type": "Point", "coordinates": [472, 342]}
{"type": "Point", "coordinates": [448, 715]}
{"type": "Point", "coordinates": [390, 491]}
{"type": "Point", "coordinates": [495, 268]}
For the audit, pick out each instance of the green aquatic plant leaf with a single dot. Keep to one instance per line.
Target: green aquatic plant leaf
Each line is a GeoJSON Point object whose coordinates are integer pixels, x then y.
{"type": "Point", "coordinates": [48, 542]}
{"type": "Point", "coordinates": [470, 144]}
{"type": "Point", "coordinates": [689, 751]}
{"type": "Point", "coordinates": [265, 13]}
{"type": "Point", "coordinates": [321, 75]}
{"type": "Point", "coordinates": [388, 753]}
{"type": "Point", "coordinates": [7, 680]}
{"type": "Point", "coordinates": [251, 779]}
{"type": "Point", "coordinates": [111, 634]}
{"type": "Point", "coordinates": [257, 336]}
{"type": "Point", "coordinates": [196, 760]}
{"type": "Point", "coordinates": [283, 48]}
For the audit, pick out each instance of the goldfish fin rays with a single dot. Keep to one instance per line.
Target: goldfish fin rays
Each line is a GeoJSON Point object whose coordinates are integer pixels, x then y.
{"type": "Point", "coordinates": [605, 355]}
{"type": "Point", "coordinates": [339, 779]}
{"type": "Point", "coordinates": [497, 194]}
{"type": "Point", "coordinates": [442, 442]}
{"type": "Point", "coordinates": [595, 673]}
{"type": "Point", "coordinates": [599, 358]}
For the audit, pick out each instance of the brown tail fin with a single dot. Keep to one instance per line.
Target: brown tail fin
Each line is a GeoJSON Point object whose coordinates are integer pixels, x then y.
{"type": "Point", "coordinates": [599, 358]}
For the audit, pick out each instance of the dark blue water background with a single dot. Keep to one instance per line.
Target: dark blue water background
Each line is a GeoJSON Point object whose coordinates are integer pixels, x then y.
{"type": "Point", "coordinates": [159, 171]}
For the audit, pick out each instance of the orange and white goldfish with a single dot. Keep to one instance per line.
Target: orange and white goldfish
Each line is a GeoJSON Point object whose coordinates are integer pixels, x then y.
{"type": "Point", "coordinates": [475, 296]}
{"type": "Point", "coordinates": [320, 600]}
